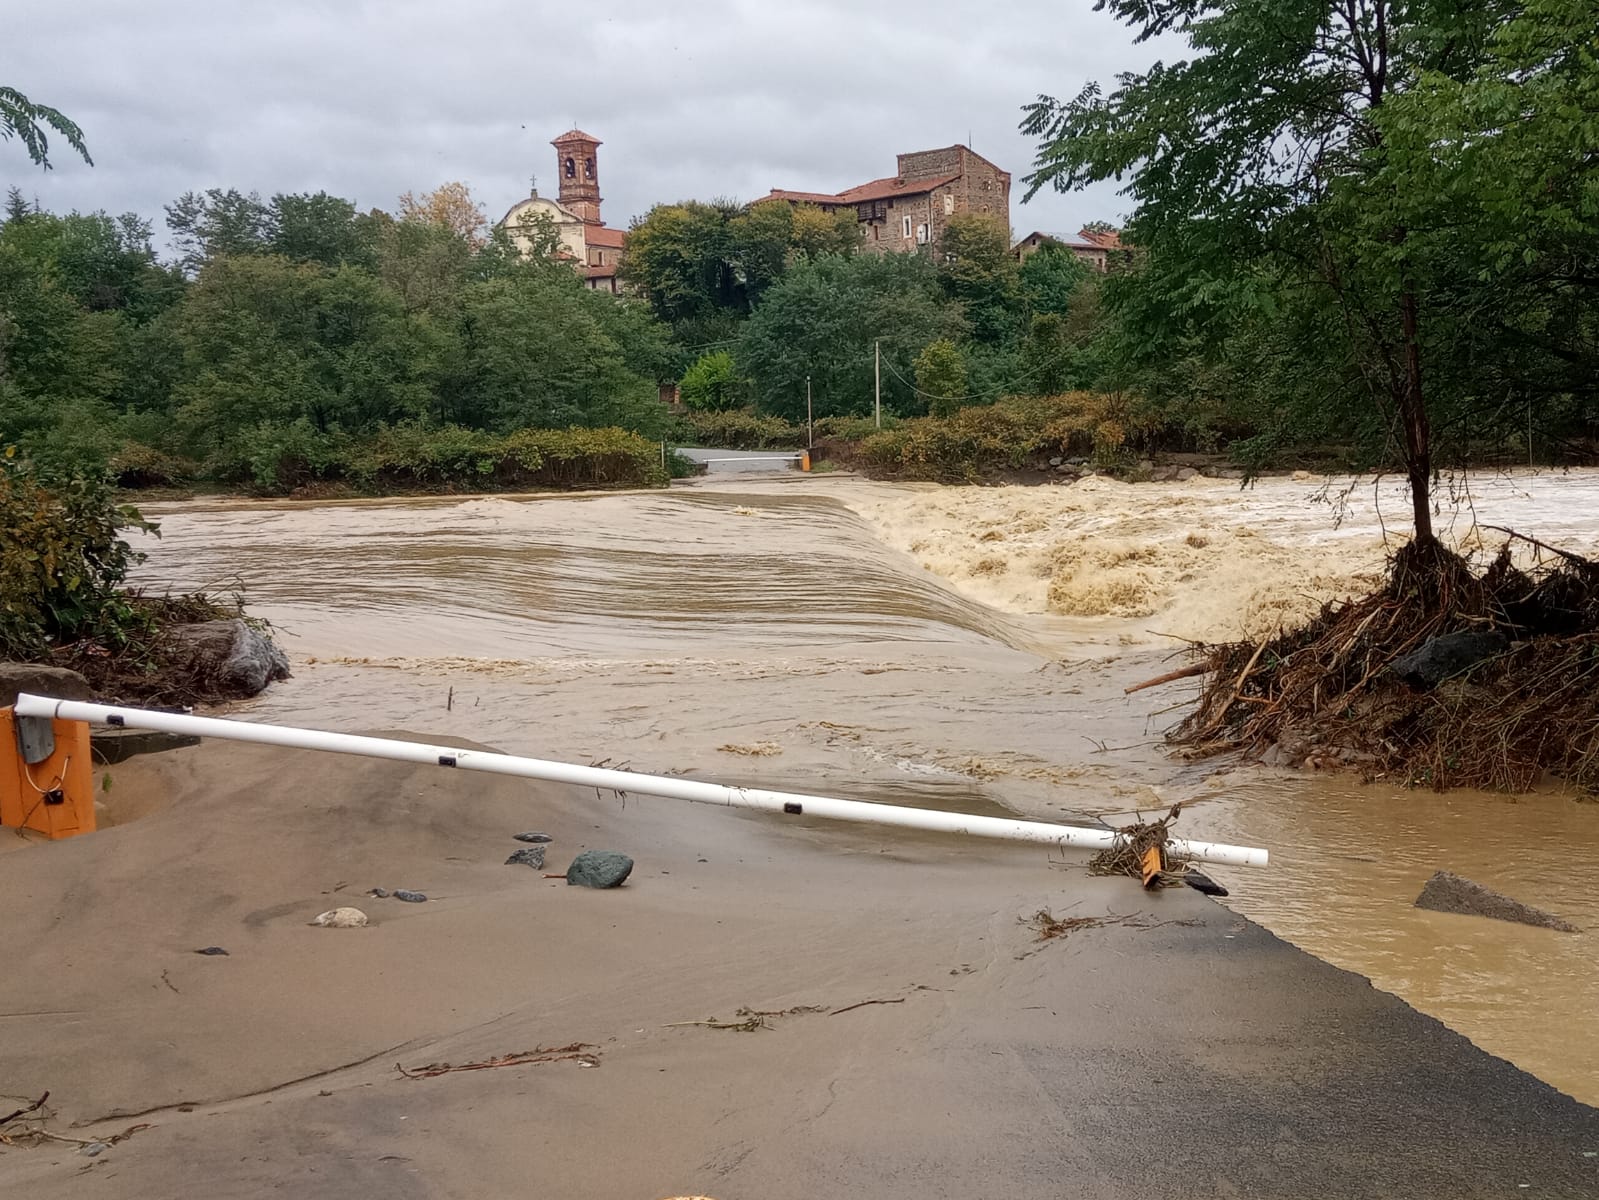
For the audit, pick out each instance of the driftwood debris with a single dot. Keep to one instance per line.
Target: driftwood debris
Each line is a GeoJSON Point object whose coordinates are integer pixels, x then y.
{"type": "Point", "coordinates": [1188, 672]}
{"type": "Point", "coordinates": [579, 1052]}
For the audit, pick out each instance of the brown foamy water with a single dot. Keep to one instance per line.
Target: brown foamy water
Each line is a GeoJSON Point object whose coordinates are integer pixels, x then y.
{"type": "Point", "coordinates": [950, 647]}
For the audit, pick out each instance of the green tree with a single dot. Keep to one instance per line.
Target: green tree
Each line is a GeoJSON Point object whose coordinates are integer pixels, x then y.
{"type": "Point", "coordinates": [217, 222]}
{"type": "Point", "coordinates": [712, 384]}
{"type": "Point", "coordinates": [319, 228]}
{"type": "Point", "coordinates": [1051, 277]}
{"type": "Point", "coordinates": [681, 258]}
{"type": "Point", "coordinates": [28, 122]}
{"type": "Point", "coordinates": [1265, 155]}
{"type": "Point", "coordinates": [821, 320]}
{"type": "Point", "coordinates": [941, 377]}
{"type": "Point", "coordinates": [529, 351]}
{"type": "Point", "coordinates": [979, 272]}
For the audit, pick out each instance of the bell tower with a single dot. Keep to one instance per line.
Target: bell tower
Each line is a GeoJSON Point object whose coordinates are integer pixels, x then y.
{"type": "Point", "coordinates": [578, 170]}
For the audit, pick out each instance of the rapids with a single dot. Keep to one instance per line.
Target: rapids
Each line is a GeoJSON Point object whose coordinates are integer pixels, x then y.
{"type": "Point", "coordinates": [948, 647]}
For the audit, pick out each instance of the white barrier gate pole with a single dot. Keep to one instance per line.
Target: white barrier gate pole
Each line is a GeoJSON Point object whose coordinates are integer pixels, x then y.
{"type": "Point", "coordinates": [624, 781]}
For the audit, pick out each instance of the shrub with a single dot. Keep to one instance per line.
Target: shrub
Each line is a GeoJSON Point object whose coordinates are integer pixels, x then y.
{"type": "Point", "coordinates": [974, 442]}
{"type": "Point", "coordinates": [62, 560]}
{"type": "Point", "coordinates": [736, 431]}
{"type": "Point", "coordinates": [712, 384]}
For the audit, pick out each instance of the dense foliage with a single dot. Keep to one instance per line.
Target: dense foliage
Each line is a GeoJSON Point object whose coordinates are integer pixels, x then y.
{"type": "Point", "coordinates": [297, 339]}
{"type": "Point", "coordinates": [1365, 221]}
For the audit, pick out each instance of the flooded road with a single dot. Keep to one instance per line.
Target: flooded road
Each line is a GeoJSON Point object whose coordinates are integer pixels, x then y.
{"type": "Point", "coordinates": [959, 648]}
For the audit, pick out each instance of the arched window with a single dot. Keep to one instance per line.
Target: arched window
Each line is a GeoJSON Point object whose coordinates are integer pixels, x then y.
{"type": "Point", "coordinates": [588, 168]}
{"type": "Point", "coordinates": [571, 168]}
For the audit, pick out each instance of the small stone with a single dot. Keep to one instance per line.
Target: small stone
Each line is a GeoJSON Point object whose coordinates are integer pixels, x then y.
{"type": "Point", "coordinates": [1055, 462]}
{"type": "Point", "coordinates": [1184, 474]}
{"type": "Point", "coordinates": [1301, 476]}
{"type": "Point", "coordinates": [341, 918]}
{"type": "Point", "coordinates": [1065, 469]}
{"type": "Point", "coordinates": [533, 837]}
{"type": "Point", "coordinates": [409, 897]}
{"type": "Point", "coordinates": [213, 951]}
{"type": "Point", "coordinates": [599, 869]}
{"type": "Point", "coordinates": [94, 1148]}
{"type": "Point", "coordinates": [379, 893]}
{"type": "Point", "coordinates": [532, 856]}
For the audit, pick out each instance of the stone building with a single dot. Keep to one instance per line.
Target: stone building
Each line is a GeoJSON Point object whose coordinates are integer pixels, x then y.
{"type": "Point", "coordinates": [594, 248]}
{"type": "Point", "coordinates": [909, 209]}
{"type": "Point", "coordinates": [1096, 247]}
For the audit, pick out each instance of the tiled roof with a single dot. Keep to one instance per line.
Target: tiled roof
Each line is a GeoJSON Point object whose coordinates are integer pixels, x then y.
{"type": "Point", "coordinates": [801, 197]}
{"type": "Point", "coordinates": [887, 189]}
{"type": "Point", "coordinates": [1103, 239]}
{"type": "Point", "coordinates": [600, 270]}
{"type": "Point", "coordinates": [604, 235]}
{"type": "Point", "coordinates": [576, 135]}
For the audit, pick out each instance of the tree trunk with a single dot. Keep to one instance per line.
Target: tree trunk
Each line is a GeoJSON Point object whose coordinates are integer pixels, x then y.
{"type": "Point", "coordinates": [1413, 417]}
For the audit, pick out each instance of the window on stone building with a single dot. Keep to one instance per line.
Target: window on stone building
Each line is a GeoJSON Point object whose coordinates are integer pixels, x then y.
{"type": "Point", "coordinates": [921, 235]}
{"type": "Point", "coordinates": [949, 203]}
{"type": "Point", "coordinates": [571, 168]}
{"type": "Point", "coordinates": [905, 227]}
{"type": "Point", "coordinates": [588, 168]}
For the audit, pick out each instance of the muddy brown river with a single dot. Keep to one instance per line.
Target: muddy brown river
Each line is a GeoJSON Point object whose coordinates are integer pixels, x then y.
{"type": "Point", "coordinates": [948, 647]}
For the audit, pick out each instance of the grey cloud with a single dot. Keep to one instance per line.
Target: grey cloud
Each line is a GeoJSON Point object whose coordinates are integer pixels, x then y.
{"type": "Point", "coordinates": [699, 99]}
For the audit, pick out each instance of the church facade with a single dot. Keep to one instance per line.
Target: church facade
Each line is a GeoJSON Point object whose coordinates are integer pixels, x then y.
{"type": "Point", "coordinates": [594, 248]}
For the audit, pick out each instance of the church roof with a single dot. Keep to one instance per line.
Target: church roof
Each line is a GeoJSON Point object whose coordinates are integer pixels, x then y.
{"type": "Point", "coordinates": [604, 235]}
{"type": "Point", "coordinates": [577, 135]}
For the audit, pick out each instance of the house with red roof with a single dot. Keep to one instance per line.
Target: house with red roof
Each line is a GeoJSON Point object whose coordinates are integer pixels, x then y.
{"type": "Point", "coordinates": [908, 210]}
{"type": "Point", "coordinates": [594, 248]}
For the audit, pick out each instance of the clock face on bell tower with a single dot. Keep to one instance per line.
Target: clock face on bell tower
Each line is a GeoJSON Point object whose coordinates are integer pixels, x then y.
{"type": "Point", "coordinates": [577, 167]}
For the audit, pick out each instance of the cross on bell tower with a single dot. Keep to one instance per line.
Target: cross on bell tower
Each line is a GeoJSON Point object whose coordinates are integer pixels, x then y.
{"type": "Point", "coordinates": [577, 168]}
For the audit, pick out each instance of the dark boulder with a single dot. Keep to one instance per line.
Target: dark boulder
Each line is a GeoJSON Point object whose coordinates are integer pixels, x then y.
{"type": "Point", "coordinates": [533, 837]}
{"type": "Point", "coordinates": [1450, 893]}
{"type": "Point", "coordinates": [240, 658]}
{"type": "Point", "coordinates": [1446, 656]}
{"type": "Point", "coordinates": [599, 869]}
{"type": "Point", "coordinates": [56, 682]}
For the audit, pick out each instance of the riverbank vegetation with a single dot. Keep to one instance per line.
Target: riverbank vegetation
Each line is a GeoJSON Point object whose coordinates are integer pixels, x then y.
{"type": "Point", "coordinates": [298, 341]}
{"type": "Point", "coordinates": [1378, 223]}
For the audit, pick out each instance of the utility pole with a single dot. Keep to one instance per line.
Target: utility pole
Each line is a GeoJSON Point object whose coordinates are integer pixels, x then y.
{"type": "Point", "coordinates": [810, 433]}
{"type": "Point", "coordinates": [877, 380]}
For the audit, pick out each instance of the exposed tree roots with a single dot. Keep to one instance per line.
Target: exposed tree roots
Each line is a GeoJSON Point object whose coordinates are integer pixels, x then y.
{"type": "Point", "coordinates": [1328, 693]}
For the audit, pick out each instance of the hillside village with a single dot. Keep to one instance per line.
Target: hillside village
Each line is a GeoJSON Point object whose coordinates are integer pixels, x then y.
{"type": "Point", "coordinates": [905, 212]}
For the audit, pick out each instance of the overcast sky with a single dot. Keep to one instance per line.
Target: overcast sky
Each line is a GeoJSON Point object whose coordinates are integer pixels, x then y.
{"type": "Point", "coordinates": [692, 99]}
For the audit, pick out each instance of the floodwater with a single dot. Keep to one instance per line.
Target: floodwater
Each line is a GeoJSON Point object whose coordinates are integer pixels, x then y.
{"type": "Point", "coordinates": [946, 647]}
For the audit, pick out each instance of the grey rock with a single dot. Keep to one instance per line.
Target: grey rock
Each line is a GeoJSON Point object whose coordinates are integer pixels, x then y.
{"type": "Point", "coordinates": [532, 837]}
{"type": "Point", "coordinates": [529, 856]}
{"type": "Point", "coordinates": [409, 897]}
{"type": "Point", "coordinates": [212, 951]}
{"type": "Point", "coordinates": [242, 659]}
{"type": "Point", "coordinates": [1447, 655]}
{"type": "Point", "coordinates": [380, 893]}
{"type": "Point", "coordinates": [1066, 469]}
{"type": "Point", "coordinates": [1077, 462]}
{"type": "Point", "coordinates": [94, 1149]}
{"type": "Point", "coordinates": [1450, 893]}
{"type": "Point", "coordinates": [1055, 462]}
{"type": "Point", "coordinates": [599, 869]}
{"type": "Point", "coordinates": [56, 682]}
{"type": "Point", "coordinates": [1184, 474]}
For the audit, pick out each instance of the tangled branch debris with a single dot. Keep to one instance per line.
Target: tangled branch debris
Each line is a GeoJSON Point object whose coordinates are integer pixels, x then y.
{"type": "Point", "coordinates": [25, 1127]}
{"type": "Point", "coordinates": [1343, 690]}
{"type": "Point", "coordinates": [579, 1052]}
{"type": "Point", "coordinates": [1125, 855]}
